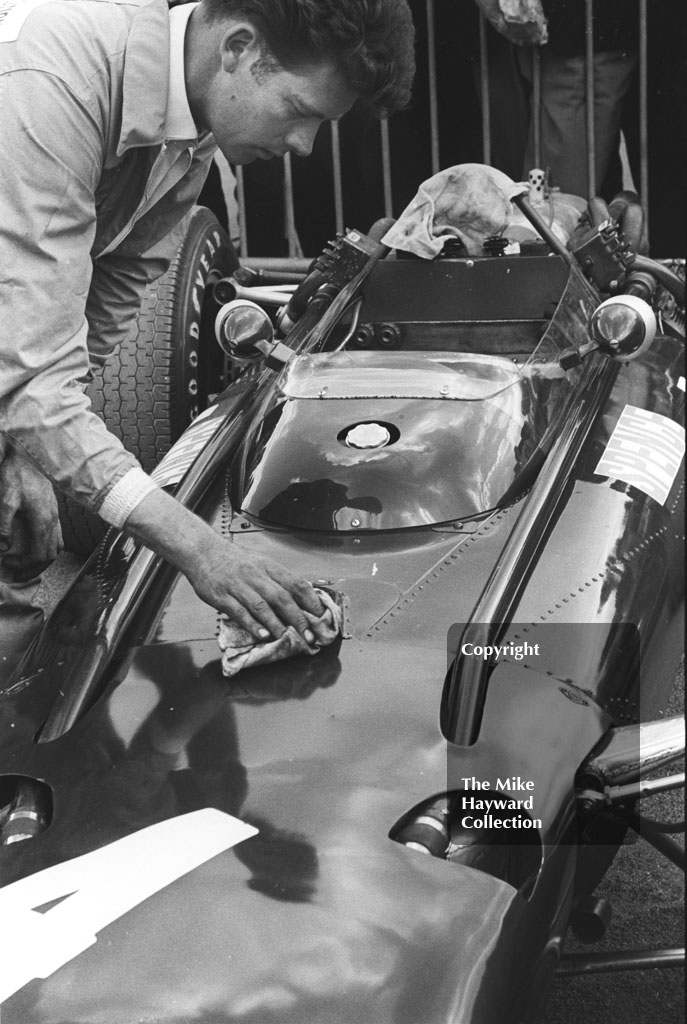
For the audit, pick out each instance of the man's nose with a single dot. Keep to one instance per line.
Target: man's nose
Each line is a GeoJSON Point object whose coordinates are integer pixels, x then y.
{"type": "Point", "coordinates": [300, 140]}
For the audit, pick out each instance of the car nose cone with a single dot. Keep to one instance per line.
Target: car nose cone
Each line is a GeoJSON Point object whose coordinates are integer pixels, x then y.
{"type": "Point", "coordinates": [367, 435]}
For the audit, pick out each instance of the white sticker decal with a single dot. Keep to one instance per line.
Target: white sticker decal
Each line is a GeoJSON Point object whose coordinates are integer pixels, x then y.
{"type": "Point", "coordinates": [99, 887]}
{"type": "Point", "coordinates": [182, 454]}
{"type": "Point", "coordinates": [644, 450]}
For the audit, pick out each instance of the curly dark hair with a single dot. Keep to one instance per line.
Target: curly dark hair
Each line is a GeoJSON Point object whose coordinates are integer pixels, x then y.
{"type": "Point", "coordinates": [371, 41]}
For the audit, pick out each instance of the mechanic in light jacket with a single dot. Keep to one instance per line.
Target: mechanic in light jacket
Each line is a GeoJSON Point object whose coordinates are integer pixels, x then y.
{"type": "Point", "coordinates": [110, 111]}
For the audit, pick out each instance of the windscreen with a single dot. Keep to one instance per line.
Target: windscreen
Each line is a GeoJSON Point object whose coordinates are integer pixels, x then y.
{"type": "Point", "coordinates": [446, 374]}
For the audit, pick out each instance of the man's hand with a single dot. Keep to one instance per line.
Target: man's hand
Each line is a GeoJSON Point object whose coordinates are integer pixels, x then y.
{"type": "Point", "coordinates": [258, 593]}
{"type": "Point", "coordinates": [29, 520]}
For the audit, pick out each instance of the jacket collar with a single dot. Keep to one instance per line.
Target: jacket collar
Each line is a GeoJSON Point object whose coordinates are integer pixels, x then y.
{"type": "Point", "coordinates": [146, 77]}
{"type": "Point", "coordinates": [179, 123]}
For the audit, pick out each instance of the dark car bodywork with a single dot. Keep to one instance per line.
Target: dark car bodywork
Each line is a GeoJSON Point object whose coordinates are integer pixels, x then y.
{"type": "Point", "coordinates": [483, 517]}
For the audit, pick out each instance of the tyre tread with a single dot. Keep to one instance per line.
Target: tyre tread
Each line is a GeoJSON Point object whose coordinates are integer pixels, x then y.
{"type": "Point", "coordinates": [138, 393]}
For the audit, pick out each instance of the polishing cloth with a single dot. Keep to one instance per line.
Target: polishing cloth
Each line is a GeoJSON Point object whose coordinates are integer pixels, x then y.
{"type": "Point", "coordinates": [240, 649]}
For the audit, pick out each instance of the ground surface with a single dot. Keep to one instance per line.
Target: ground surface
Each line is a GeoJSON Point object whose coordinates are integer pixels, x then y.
{"type": "Point", "coordinates": [645, 890]}
{"type": "Point", "coordinates": [647, 895]}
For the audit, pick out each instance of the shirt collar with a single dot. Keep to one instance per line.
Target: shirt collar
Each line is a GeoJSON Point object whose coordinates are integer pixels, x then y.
{"type": "Point", "coordinates": [179, 123]}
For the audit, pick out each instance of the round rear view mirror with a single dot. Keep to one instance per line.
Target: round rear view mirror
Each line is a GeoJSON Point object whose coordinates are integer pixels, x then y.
{"type": "Point", "coordinates": [240, 328]}
{"type": "Point", "coordinates": [623, 327]}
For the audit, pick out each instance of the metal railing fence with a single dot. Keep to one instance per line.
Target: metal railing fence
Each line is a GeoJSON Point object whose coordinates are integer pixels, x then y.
{"type": "Point", "coordinates": [492, 134]}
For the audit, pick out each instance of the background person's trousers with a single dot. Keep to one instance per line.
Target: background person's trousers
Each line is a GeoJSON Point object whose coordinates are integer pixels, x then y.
{"type": "Point", "coordinates": [563, 115]}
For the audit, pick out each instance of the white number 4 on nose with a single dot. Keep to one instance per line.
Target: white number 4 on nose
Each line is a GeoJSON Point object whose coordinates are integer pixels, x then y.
{"type": "Point", "coordinates": [99, 887]}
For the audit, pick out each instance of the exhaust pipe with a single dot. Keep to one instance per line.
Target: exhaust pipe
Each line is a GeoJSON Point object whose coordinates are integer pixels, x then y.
{"type": "Point", "coordinates": [630, 751]}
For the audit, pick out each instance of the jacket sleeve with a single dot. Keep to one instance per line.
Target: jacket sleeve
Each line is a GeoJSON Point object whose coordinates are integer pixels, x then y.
{"type": "Point", "coordinates": [121, 276]}
{"type": "Point", "coordinates": [114, 298]}
{"type": "Point", "coordinates": [50, 162]}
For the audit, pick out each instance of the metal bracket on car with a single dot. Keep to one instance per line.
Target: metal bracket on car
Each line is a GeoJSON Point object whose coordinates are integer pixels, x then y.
{"type": "Point", "coordinates": [603, 256]}
{"type": "Point", "coordinates": [462, 525]}
{"type": "Point", "coordinates": [573, 964]}
{"type": "Point", "coordinates": [240, 524]}
{"type": "Point", "coordinates": [630, 791]}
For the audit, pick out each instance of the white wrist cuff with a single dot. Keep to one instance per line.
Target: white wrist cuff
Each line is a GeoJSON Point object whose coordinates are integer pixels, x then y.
{"type": "Point", "coordinates": [126, 494]}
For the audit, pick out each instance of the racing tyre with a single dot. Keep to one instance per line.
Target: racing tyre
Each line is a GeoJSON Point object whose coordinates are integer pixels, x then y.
{"type": "Point", "coordinates": [167, 371]}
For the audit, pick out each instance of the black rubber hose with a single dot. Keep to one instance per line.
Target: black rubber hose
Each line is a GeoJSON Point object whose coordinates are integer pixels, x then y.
{"type": "Point", "coordinates": [597, 211]}
{"type": "Point", "coordinates": [626, 210]}
{"type": "Point", "coordinates": [306, 289]}
{"type": "Point", "coordinates": [667, 827]}
{"type": "Point", "coordinates": [668, 278]}
{"type": "Point", "coordinates": [380, 228]}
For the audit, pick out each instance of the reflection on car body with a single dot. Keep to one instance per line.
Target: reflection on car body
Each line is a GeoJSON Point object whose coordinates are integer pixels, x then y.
{"type": "Point", "coordinates": [470, 512]}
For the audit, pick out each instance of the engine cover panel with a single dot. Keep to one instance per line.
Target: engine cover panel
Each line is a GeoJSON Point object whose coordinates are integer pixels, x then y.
{"type": "Point", "coordinates": [371, 443]}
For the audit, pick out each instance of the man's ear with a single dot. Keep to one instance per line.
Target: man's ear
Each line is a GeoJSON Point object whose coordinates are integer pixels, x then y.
{"type": "Point", "coordinates": [238, 42]}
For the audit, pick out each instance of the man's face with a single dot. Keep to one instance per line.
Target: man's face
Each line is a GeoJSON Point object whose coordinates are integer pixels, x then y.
{"type": "Point", "coordinates": [257, 111]}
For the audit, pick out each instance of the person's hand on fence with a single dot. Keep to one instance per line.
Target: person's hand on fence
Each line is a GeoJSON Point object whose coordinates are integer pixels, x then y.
{"type": "Point", "coordinates": [521, 21]}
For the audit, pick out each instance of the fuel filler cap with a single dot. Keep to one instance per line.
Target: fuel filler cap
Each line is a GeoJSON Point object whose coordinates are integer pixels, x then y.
{"type": "Point", "coordinates": [367, 435]}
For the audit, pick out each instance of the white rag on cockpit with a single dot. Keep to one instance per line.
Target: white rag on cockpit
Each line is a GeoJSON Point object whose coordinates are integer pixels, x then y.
{"type": "Point", "coordinates": [473, 202]}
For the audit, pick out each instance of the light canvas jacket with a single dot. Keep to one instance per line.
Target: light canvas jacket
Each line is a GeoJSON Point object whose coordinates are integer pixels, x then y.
{"type": "Point", "coordinates": [91, 199]}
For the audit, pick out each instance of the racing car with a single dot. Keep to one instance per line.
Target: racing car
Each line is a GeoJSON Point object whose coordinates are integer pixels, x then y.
{"type": "Point", "coordinates": [482, 458]}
